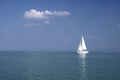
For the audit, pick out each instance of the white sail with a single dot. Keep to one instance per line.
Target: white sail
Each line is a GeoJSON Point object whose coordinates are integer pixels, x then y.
{"type": "Point", "coordinates": [82, 47]}
{"type": "Point", "coordinates": [83, 44]}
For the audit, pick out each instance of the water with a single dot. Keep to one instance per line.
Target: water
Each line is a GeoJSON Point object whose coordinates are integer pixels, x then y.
{"type": "Point", "coordinates": [59, 66]}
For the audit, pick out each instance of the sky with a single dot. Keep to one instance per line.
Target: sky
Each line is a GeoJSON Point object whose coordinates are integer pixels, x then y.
{"type": "Point", "coordinates": [57, 25]}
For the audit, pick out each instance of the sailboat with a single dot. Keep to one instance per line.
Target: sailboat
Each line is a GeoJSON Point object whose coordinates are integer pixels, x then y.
{"type": "Point", "coordinates": [82, 49]}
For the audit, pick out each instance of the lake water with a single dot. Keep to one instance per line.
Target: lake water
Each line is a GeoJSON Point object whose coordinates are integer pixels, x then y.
{"type": "Point", "coordinates": [16, 65]}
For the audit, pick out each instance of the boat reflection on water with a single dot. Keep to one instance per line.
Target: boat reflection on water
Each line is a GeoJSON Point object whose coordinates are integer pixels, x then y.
{"type": "Point", "coordinates": [83, 65]}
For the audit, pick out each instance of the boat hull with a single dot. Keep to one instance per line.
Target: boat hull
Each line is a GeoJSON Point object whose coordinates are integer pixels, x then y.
{"type": "Point", "coordinates": [82, 52]}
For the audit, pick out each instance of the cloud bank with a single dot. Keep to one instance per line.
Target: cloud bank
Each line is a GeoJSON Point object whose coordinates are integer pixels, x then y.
{"type": "Point", "coordinates": [34, 14]}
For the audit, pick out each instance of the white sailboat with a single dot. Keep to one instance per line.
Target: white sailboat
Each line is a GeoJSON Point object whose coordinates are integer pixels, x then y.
{"type": "Point", "coordinates": [82, 49]}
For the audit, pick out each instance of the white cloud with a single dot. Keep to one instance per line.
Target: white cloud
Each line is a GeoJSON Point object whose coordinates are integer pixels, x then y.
{"type": "Point", "coordinates": [32, 24]}
{"type": "Point", "coordinates": [61, 13]}
{"type": "Point", "coordinates": [34, 14]}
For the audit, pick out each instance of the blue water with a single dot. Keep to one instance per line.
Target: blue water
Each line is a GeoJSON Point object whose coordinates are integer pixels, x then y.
{"type": "Point", "coordinates": [16, 65]}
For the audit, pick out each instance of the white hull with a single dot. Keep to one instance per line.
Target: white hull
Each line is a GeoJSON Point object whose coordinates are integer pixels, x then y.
{"type": "Point", "coordinates": [82, 52]}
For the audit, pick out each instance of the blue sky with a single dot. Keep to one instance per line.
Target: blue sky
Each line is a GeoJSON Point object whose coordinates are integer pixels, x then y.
{"type": "Point", "coordinates": [59, 24]}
